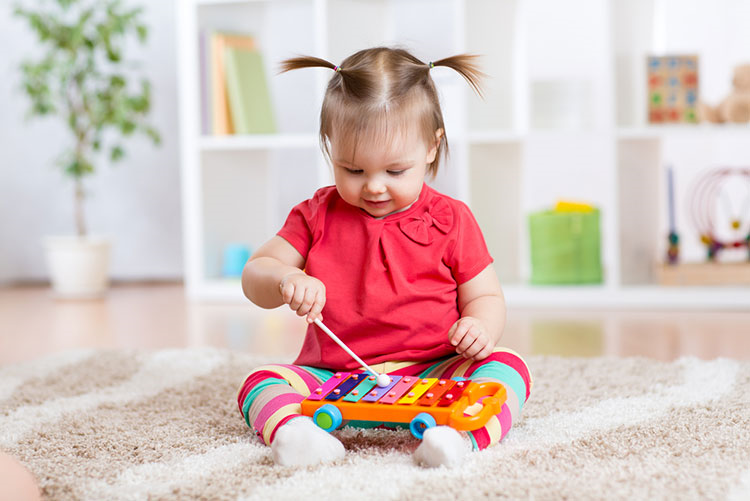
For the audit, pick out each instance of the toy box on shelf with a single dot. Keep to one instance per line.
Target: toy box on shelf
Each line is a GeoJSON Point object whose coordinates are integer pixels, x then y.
{"type": "Point", "coordinates": [565, 245]}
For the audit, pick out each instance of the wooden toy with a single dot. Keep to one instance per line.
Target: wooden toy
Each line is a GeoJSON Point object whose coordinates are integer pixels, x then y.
{"type": "Point", "coordinates": [423, 403]}
{"type": "Point", "coordinates": [673, 89]}
{"type": "Point", "coordinates": [721, 209]}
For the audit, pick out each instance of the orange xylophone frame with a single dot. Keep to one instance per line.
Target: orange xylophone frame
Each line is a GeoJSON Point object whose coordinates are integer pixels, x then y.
{"type": "Point", "coordinates": [423, 403]}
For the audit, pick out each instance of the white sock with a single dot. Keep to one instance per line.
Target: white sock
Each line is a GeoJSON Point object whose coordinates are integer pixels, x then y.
{"type": "Point", "coordinates": [301, 442]}
{"type": "Point", "coordinates": [442, 445]}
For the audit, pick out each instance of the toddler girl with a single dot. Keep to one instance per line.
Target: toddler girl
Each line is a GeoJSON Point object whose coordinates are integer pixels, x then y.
{"type": "Point", "coordinates": [400, 272]}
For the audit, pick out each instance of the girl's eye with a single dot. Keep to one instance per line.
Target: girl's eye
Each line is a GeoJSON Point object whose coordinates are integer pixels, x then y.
{"type": "Point", "coordinates": [353, 171]}
{"type": "Point", "coordinates": [396, 172]}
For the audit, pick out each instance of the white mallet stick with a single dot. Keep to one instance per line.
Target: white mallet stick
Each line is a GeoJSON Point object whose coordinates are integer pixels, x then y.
{"type": "Point", "coordinates": [382, 379]}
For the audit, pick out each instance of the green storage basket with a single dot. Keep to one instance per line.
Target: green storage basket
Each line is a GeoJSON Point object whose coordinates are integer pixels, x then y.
{"type": "Point", "coordinates": [565, 247]}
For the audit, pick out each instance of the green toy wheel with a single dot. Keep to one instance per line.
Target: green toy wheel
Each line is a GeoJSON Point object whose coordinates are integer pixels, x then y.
{"type": "Point", "coordinates": [420, 424]}
{"type": "Point", "coordinates": [327, 417]}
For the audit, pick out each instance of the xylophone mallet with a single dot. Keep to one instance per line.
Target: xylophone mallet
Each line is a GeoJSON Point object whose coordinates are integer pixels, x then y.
{"type": "Point", "coordinates": [382, 379]}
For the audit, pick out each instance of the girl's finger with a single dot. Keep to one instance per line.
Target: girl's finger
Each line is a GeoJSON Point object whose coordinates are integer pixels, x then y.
{"type": "Point", "coordinates": [486, 352]}
{"type": "Point", "coordinates": [307, 302]}
{"type": "Point", "coordinates": [317, 307]}
{"type": "Point", "coordinates": [460, 331]}
{"type": "Point", "coordinates": [476, 347]}
{"type": "Point", "coordinates": [299, 296]}
{"type": "Point", "coordinates": [287, 293]}
{"type": "Point", "coordinates": [467, 340]}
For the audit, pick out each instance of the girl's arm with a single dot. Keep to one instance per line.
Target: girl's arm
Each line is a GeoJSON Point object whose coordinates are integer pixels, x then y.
{"type": "Point", "coordinates": [481, 305]}
{"type": "Point", "coordinates": [273, 276]}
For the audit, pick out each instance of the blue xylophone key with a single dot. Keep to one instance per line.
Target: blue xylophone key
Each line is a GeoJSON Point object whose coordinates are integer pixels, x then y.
{"type": "Point", "coordinates": [344, 387]}
{"type": "Point", "coordinates": [329, 385]}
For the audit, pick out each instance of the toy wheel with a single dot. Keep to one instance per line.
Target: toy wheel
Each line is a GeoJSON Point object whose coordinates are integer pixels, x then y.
{"type": "Point", "coordinates": [420, 423]}
{"type": "Point", "coordinates": [327, 417]}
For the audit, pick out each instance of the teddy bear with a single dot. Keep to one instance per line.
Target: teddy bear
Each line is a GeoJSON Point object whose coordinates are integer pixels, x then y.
{"type": "Point", "coordinates": [735, 107]}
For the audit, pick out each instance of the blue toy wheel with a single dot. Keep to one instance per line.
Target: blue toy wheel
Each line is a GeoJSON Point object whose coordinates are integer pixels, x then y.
{"type": "Point", "coordinates": [327, 417]}
{"type": "Point", "coordinates": [420, 423]}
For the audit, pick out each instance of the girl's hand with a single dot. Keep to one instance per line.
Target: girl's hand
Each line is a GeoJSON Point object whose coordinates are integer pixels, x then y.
{"type": "Point", "coordinates": [470, 338]}
{"type": "Point", "coordinates": [304, 294]}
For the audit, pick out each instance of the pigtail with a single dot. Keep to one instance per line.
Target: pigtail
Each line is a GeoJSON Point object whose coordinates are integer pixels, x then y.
{"type": "Point", "coordinates": [296, 63]}
{"type": "Point", "coordinates": [465, 65]}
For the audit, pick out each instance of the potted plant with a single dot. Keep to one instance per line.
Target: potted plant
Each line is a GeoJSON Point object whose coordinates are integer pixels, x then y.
{"type": "Point", "coordinates": [81, 76]}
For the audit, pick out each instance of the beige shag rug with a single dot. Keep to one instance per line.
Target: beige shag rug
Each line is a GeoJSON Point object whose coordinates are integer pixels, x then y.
{"type": "Point", "coordinates": [97, 425]}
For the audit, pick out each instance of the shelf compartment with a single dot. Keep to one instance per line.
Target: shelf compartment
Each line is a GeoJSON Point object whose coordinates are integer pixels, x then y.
{"type": "Point", "coordinates": [247, 196]}
{"type": "Point", "coordinates": [665, 27]}
{"type": "Point", "coordinates": [294, 94]}
{"type": "Point", "coordinates": [235, 204]}
{"type": "Point", "coordinates": [495, 177]}
{"type": "Point", "coordinates": [493, 24]}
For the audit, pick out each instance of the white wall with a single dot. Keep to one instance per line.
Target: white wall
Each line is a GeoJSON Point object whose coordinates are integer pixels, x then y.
{"type": "Point", "coordinates": [136, 202]}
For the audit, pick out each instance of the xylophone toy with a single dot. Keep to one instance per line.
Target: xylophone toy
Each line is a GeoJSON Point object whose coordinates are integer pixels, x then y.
{"type": "Point", "coordinates": [423, 403]}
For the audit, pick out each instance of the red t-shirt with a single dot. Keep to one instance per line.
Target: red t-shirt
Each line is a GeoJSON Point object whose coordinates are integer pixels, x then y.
{"type": "Point", "coordinates": [391, 283]}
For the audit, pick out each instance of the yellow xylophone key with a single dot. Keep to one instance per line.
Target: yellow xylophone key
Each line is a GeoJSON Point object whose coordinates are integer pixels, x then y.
{"type": "Point", "coordinates": [417, 391]}
{"type": "Point", "coordinates": [436, 392]}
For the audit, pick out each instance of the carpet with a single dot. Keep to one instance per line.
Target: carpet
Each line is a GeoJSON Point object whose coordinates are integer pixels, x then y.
{"type": "Point", "coordinates": [164, 425]}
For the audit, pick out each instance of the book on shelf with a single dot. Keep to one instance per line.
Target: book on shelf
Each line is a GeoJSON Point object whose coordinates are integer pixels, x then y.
{"type": "Point", "coordinates": [247, 91]}
{"type": "Point", "coordinates": [232, 60]}
{"type": "Point", "coordinates": [204, 83]}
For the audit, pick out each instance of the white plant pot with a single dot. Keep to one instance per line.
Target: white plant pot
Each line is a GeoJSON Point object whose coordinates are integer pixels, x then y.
{"type": "Point", "coordinates": [78, 266]}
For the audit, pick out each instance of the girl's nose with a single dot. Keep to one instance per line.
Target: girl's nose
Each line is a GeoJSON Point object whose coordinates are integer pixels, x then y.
{"type": "Point", "coordinates": [375, 186]}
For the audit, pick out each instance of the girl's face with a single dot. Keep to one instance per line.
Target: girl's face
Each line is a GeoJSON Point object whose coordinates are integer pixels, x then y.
{"type": "Point", "coordinates": [383, 179]}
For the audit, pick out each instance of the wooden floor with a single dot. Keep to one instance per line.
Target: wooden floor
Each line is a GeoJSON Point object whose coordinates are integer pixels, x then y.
{"type": "Point", "coordinates": [34, 323]}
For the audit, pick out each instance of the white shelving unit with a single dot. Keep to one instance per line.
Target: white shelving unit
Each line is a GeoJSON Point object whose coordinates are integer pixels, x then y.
{"type": "Point", "coordinates": [563, 117]}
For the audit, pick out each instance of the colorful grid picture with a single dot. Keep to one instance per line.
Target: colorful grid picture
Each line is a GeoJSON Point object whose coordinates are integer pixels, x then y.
{"type": "Point", "coordinates": [672, 89]}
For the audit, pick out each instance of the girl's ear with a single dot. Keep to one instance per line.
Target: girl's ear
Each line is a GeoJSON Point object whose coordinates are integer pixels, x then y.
{"type": "Point", "coordinates": [432, 153]}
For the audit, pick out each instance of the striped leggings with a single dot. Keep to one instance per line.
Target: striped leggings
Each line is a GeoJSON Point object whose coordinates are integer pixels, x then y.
{"type": "Point", "coordinates": [271, 394]}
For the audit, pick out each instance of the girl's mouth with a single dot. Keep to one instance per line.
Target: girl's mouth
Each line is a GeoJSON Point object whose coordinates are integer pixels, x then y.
{"type": "Point", "coordinates": [376, 203]}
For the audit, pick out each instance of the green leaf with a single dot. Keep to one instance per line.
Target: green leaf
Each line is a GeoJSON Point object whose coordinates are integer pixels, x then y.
{"type": "Point", "coordinates": [127, 127]}
{"type": "Point", "coordinates": [116, 153]}
{"type": "Point", "coordinates": [117, 81]}
{"type": "Point", "coordinates": [142, 33]}
{"type": "Point", "coordinates": [139, 104]}
{"type": "Point", "coordinates": [78, 168]}
{"type": "Point", "coordinates": [153, 134]}
{"type": "Point", "coordinates": [113, 55]}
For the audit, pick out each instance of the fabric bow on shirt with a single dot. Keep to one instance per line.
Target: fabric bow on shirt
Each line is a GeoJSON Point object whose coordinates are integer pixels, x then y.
{"type": "Point", "coordinates": [438, 214]}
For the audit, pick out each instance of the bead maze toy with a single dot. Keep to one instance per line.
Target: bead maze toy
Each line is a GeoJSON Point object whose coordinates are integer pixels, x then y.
{"type": "Point", "coordinates": [722, 221]}
{"type": "Point", "coordinates": [421, 402]}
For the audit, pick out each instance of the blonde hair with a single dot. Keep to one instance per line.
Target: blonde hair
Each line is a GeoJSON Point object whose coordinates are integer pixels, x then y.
{"type": "Point", "coordinates": [377, 90]}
